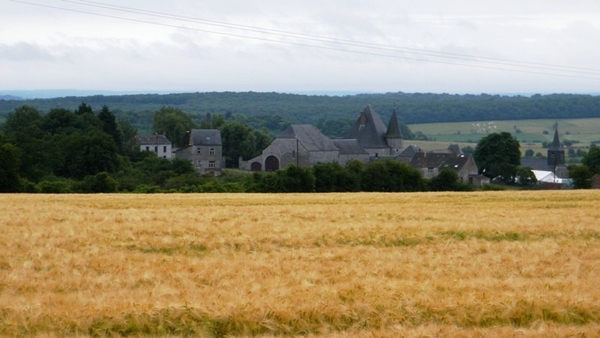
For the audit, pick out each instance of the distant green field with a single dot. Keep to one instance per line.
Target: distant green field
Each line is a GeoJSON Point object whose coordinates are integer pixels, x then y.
{"type": "Point", "coordinates": [529, 132]}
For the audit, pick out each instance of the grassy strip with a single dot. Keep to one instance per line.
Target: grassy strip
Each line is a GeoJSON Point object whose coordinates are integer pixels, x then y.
{"type": "Point", "coordinates": [188, 321]}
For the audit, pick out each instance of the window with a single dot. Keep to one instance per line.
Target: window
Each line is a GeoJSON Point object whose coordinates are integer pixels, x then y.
{"type": "Point", "coordinates": [212, 164]}
{"type": "Point", "coordinates": [164, 149]}
{"type": "Point", "coordinates": [156, 149]}
{"type": "Point", "coordinates": [212, 152]}
{"type": "Point", "coordinates": [147, 148]}
{"type": "Point", "coordinates": [293, 154]}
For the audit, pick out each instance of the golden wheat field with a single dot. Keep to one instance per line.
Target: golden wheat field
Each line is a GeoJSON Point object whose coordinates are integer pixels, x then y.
{"type": "Point", "coordinates": [517, 264]}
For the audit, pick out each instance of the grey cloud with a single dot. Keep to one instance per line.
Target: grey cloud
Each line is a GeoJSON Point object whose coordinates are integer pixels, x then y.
{"type": "Point", "coordinates": [23, 51]}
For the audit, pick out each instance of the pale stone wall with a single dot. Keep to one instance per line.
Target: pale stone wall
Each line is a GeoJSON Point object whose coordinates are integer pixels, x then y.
{"type": "Point", "coordinates": [202, 160]}
{"type": "Point", "coordinates": [290, 151]}
{"type": "Point", "coordinates": [468, 169]}
{"type": "Point", "coordinates": [344, 159]}
{"type": "Point", "coordinates": [161, 150]}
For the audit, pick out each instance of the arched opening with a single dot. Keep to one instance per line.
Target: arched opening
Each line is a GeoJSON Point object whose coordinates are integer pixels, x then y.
{"type": "Point", "coordinates": [256, 166]}
{"type": "Point", "coordinates": [271, 163]}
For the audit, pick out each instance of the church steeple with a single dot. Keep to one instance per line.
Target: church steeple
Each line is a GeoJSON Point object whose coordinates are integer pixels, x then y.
{"type": "Point", "coordinates": [556, 153]}
{"type": "Point", "coordinates": [556, 141]}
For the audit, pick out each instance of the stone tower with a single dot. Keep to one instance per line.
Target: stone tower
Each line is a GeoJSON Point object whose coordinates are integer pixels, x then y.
{"type": "Point", "coordinates": [393, 136]}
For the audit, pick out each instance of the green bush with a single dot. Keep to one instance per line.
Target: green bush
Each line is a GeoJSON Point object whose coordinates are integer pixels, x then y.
{"type": "Point", "coordinates": [53, 187]}
{"type": "Point", "coordinates": [147, 189]}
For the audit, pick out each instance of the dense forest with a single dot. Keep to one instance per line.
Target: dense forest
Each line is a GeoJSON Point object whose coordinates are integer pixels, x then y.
{"type": "Point", "coordinates": [332, 114]}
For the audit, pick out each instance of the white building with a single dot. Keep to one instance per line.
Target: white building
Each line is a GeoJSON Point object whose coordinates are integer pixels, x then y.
{"type": "Point", "coordinates": [158, 144]}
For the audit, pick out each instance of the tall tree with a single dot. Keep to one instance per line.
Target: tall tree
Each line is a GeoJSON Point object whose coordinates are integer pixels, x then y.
{"type": "Point", "coordinates": [87, 154]}
{"type": "Point", "coordinates": [128, 131]}
{"type": "Point", "coordinates": [109, 125]}
{"type": "Point", "coordinates": [239, 140]}
{"type": "Point", "coordinates": [592, 159]}
{"type": "Point", "coordinates": [498, 154]}
{"type": "Point", "coordinates": [23, 128]}
{"type": "Point", "coordinates": [84, 108]}
{"type": "Point", "coordinates": [10, 157]}
{"type": "Point", "coordinates": [174, 124]}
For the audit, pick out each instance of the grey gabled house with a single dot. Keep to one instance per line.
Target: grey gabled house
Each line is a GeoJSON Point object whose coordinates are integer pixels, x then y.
{"type": "Point", "coordinates": [204, 150]}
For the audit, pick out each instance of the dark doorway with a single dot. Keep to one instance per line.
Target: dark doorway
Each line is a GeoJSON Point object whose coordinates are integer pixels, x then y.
{"type": "Point", "coordinates": [271, 163]}
{"type": "Point", "coordinates": [256, 166]}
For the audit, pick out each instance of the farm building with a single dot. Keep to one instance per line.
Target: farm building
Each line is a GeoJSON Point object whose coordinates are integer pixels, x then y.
{"type": "Point", "coordinates": [369, 139]}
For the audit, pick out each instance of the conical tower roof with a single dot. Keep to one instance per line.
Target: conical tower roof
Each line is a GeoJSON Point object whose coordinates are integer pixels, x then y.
{"type": "Point", "coordinates": [393, 130]}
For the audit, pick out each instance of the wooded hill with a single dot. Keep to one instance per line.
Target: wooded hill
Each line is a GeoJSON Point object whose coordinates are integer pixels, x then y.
{"type": "Point", "coordinates": [332, 114]}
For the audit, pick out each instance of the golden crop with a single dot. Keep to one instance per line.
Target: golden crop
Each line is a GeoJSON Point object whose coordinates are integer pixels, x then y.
{"type": "Point", "coordinates": [337, 265]}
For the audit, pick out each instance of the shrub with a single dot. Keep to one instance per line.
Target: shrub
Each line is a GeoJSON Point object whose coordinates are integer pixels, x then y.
{"type": "Point", "coordinates": [53, 187]}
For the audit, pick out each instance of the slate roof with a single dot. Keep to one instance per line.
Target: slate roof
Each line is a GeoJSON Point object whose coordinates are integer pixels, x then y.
{"type": "Point", "coordinates": [205, 137]}
{"type": "Point", "coordinates": [536, 163]}
{"type": "Point", "coordinates": [456, 162]}
{"type": "Point", "coordinates": [309, 136]}
{"type": "Point", "coordinates": [439, 160]}
{"type": "Point", "coordinates": [152, 140]}
{"type": "Point", "coordinates": [369, 130]}
{"type": "Point", "coordinates": [410, 151]}
{"type": "Point", "coordinates": [349, 147]}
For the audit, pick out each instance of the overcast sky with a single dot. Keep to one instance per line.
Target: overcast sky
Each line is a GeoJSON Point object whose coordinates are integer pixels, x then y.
{"type": "Point", "coordinates": [459, 46]}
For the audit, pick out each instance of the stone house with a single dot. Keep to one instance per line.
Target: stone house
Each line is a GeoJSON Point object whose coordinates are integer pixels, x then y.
{"type": "Point", "coordinates": [430, 164]}
{"type": "Point", "coordinates": [300, 144]}
{"type": "Point", "coordinates": [204, 150]}
{"type": "Point", "coordinates": [158, 144]}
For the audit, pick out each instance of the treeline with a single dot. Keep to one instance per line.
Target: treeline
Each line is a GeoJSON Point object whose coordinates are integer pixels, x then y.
{"type": "Point", "coordinates": [332, 114]}
{"type": "Point", "coordinates": [378, 176]}
{"type": "Point", "coordinates": [86, 151]}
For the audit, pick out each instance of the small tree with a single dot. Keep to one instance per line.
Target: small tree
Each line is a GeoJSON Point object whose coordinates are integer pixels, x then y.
{"type": "Point", "coordinates": [592, 159]}
{"type": "Point", "coordinates": [525, 176]}
{"type": "Point", "coordinates": [296, 179]}
{"type": "Point", "coordinates": [581, 176]}
{"type": "Point", "coordinates": [446, 180]}
{"type": "Point", "coordinates": [174, 124]}
{"type": "Point", "coordinates": [332, 177]}
{"type": "Point", "coordinates": [529, 153]}
{"type": "Point", "coordinates": [391, 176]}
